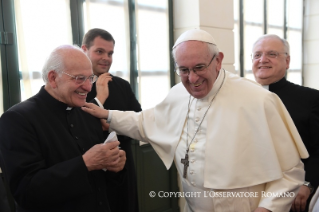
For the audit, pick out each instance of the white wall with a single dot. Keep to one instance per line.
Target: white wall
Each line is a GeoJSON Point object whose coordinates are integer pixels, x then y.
{"type": "Point", "coordinates": [213, 16]}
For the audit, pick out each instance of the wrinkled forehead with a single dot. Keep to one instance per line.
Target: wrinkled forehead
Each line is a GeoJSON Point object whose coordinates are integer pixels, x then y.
{"type": "Point", "coordinates": [190, 53]}
{"type": "Point", "coordinates": [268, 44]}
{"type": "Point", "coordinates": [78, 64]}
{"type": "Point", "coordinates": [192, 47]}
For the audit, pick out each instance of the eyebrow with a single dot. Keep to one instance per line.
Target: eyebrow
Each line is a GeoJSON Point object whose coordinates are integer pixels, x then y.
{"type": "Point", "coordinates": [101, 49]}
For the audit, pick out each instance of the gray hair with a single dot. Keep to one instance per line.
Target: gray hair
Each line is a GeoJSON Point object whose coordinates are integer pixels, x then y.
{"type": "Point", "coordinates": [212, 48]}
{"type": "Point", "coordinates": [285, 42]}
{"type": "Point", "coordinates": [56, 60]}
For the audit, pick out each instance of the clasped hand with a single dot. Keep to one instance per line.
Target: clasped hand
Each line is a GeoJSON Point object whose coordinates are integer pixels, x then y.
{"type": "Point", "coordinates": [102, 87]}
{"type": "Point", "coordinates": [105, 156]}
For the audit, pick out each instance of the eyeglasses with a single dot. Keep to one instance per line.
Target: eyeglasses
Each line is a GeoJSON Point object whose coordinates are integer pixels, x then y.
{"type": "Point", "coordinates": [199, 69]}
{"type": "Point", "coordinates": [80, 79]}
{"type": "Point", "coordinates": [270, 54]}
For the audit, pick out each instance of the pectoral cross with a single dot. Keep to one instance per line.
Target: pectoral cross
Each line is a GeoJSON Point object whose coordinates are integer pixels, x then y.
{"type": "Point", "coordinates": [186, 164]}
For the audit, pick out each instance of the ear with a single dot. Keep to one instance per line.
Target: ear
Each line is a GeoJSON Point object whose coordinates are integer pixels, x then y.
{"type": "Point", "coordinates": [84, 48]}
{"type": "Point", "coordinates": [219, 59]}
{"type": "Point", "coordinates": [52, 76]}
{"type": "Point", "coordinates": [287, 62]}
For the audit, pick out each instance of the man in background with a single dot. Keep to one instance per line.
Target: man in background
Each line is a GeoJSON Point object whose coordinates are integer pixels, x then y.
{"type": "Point", "coordinates": [270, 62]}
{"type": "Point", "coordinates": [113, 92]}
{"type": "Point", "coordinates": [52, 156]}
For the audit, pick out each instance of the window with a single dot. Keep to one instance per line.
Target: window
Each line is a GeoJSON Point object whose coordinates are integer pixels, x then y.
{"type": "Point", "coordinates": [253, 18]}
{"type": "Point", "coordinates": [294, 37]}
{"type": "Point", "coordinates": [141, 54]}
{"type": "Point", "coordinates": [153, 51]}
{"type": "Point", "coordinates": [152, 61]}
{"type": "Point", "coordinates": [10, 89]}
{"type": "Point", "coordinates": [253, 29]}
{"type": "Point", "coordinates": [39, 31]}
{"type": "Point", "coordinates": [112, 16]}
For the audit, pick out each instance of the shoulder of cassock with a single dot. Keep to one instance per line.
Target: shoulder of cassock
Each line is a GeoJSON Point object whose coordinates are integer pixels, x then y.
{"type": "Point", "coordinates": [251, 138]}
{"type": "Point", "coordinates": [249, 133]}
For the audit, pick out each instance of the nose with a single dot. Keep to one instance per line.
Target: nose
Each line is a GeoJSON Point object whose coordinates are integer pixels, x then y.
{"type": "Point", "coordinates": [263, 58]}
{"type": "Point", "coordinates": [87, 85]}
{"type": "Point", "coordinates": [192, 76]}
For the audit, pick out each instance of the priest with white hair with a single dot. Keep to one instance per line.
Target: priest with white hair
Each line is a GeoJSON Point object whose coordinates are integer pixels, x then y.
{"type": "Point", "coordinates": [233, 142]}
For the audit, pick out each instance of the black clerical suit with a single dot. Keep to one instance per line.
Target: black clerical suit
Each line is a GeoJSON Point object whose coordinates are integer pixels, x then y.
{"type": "Point", "coordinates": [4, 203]}
{"type": "Point", "coordinates": [122, 197]}
{"type": "Point", "coordinates": [302, 104]}
{"type": "Point", "coordinates": [42, 144]}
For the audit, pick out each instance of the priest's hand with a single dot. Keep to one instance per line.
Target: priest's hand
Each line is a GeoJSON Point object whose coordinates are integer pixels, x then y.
{"type": "Point", "coordinates": [102, 156]}
{"type": "Point", "coordinates": [102, 87]}
{"type": "Point", "coordinates": [120, 165]}
{"type": "Point", "coordinates": [105, 125]}
{"type": "Point", "coordinates": [300, 202]}
{"type": "Point", "coordinates": [260, 209]}
{"type": "Point", "coordinates": [95, 110]}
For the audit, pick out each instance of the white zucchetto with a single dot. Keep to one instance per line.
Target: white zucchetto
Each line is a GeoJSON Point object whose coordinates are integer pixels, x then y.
{"type": "Point", "coordinates": [197, 35]}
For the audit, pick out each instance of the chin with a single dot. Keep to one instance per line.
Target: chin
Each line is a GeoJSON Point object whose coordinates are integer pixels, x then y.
{"type": "Point", "coordinates": [198, 96]}
{"type": "Point", "coordinates": [79, 103]}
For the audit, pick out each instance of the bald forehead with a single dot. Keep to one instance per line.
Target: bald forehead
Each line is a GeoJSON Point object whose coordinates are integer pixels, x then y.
{"type": "Point", "coordinates": [269, 43]}
{"type": "Point", "coordinates": [73, 57]}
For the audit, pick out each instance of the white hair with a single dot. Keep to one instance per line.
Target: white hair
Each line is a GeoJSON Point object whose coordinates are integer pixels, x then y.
{"type": "Point", "coordinates": [285, 42]}
{"type": "Point", "coordinates": [56, 60]}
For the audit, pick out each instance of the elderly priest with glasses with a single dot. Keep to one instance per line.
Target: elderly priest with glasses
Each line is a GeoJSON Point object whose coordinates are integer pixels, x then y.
{"type": "Point", "coordinates": [233, 142]}
{"type": "Point", "coordinates": [52, 156]}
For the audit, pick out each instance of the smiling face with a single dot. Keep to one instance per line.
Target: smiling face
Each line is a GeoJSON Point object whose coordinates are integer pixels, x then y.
{"type": "Point", "coordinates": [101, 55]}
{"type": "Point", "coordinates": [195, 53]}
{"type": "Point", "coordinates": [63, 87]}
{"type": "Point", "coordinates": [269, 70]}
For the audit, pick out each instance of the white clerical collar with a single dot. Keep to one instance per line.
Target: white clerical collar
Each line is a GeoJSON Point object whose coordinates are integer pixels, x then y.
{"type": "Point", "coordinates": [69, 108]}
{"type": "Point", "coordinates": [266, 87]}
{"type": "Point", "coordinates": [216, 86]}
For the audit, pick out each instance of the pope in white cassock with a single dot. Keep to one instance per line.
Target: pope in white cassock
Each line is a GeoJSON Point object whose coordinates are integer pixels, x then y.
{"type": "Point", "coordinates": [225, 134]}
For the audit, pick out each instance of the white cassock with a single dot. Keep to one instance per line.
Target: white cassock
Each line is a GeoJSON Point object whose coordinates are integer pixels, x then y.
{"type": "Point", "coordinates": [246, 143]}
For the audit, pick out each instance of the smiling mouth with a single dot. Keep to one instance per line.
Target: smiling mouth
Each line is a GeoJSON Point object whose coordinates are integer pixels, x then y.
{"type": "Point", "coordinates": [198, 84]}
{"type": "Point", "coordinates": [81, 94]}
{"type": "Point", "coordinates": [264, 67]}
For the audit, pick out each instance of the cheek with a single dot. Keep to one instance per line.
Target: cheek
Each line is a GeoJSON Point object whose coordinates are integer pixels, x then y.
{"type": "Point", "coordinates": [185, 82]}
{"type": "Point", "coordinates": [255, 65]}
{"type": "Point", "coordinates": [94, 59]}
